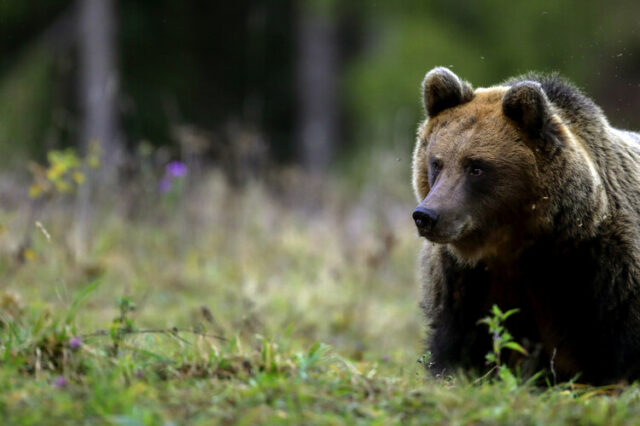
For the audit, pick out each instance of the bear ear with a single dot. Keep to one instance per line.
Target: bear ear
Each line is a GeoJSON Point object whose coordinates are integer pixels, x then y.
{"type": "Point", "coordinates": [526, 104]}
{"type": "Point", "coordinates": [442, 89]}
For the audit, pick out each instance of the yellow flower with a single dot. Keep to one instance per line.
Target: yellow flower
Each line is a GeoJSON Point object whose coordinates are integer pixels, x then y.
{"type": "Point", "coordinates": [62, 186]}
{"type": "Point", "coordinates": [29, 254]}
{"type": "Point", "coordinates": [55, 172]}
{"type": "Point", "coordinates": [78, 177]}
{"type": "Point", "coordinates": [35, 190]}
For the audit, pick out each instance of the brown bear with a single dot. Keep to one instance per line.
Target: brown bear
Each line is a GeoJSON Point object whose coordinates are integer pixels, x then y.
{"type": "Point", "coordinates": [528, 199]}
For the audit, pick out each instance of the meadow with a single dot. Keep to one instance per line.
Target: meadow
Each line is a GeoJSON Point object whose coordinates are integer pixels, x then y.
{"type": "Point", "coordinates": [287, 299]}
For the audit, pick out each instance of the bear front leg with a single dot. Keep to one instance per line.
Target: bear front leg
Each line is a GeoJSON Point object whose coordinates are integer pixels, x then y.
{"type": "Point", "coordinates": [455, 299]}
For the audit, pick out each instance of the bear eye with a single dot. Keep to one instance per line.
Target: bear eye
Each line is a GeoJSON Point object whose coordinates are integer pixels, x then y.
{"type": "Point", "coordinates": [476, 167]}
{"type": "Point", "coordinates": [436, 166]}
{"type": "Point", "coordinates": [475, 171]}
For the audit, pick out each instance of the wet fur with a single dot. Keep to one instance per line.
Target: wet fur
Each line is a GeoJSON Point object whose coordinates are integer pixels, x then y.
{"type": "Point", "coordinates": [572, 266]}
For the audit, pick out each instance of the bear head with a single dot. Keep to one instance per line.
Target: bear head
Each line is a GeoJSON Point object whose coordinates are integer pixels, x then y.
{"type": "Point", "coordinates": [487, 164]}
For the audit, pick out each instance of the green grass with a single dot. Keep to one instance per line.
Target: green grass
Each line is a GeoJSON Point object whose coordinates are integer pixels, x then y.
{"type": "Point", "coordinates": [254, 305]}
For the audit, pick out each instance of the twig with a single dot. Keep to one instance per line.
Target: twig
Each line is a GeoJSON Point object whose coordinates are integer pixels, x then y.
{"type": "Point", "coordinates": [484, 376]}
{"type": "Point", "coordinates": [552, 366]}
{"type": "Point", "coordinates": [43, 230]}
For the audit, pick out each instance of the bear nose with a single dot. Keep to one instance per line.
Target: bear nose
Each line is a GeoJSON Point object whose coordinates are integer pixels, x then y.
{"type": "Point", "coordinates": [425, 218]}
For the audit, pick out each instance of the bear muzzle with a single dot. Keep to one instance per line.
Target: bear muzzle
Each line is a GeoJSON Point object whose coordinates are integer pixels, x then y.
{"type": "Point", "coordinates": [425, 220]}
{"type": "Point", "coordinates": [440, 227]}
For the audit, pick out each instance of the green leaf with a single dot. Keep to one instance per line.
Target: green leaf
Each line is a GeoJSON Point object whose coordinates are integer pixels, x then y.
{"type": "Point", "coordinates": [515, 347]}
{"type": "Point", "coordinates": [496, 311]}
{"type": "Point", "coordinates": [509, 313]}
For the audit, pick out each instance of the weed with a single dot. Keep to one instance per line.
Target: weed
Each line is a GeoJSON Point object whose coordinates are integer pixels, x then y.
{"type": "Point", "coordinates": [501, 340]}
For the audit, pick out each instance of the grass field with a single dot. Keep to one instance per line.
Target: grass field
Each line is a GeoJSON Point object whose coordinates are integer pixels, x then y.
{"type": "Point", "coordinates": [294, 302]}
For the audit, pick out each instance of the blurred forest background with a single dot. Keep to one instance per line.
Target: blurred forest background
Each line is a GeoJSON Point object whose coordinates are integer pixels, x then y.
{"type": "Point", "coordinates": [316, 100]}
{"type": "Point", "coordinates": [258, 82]}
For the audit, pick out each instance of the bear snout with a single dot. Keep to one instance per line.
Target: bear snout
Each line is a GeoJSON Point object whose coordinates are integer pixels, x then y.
{"type": "Point", "coordinates": [425, 220]}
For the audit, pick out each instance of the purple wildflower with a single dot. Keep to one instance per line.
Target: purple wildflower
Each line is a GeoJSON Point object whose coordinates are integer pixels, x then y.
{"type": "Point", "coordinates": [75, 343]}
{"type": "Point", "coordinates": [176, 169]}
{"type": "Point", "coordinates": [165, 185]}
{"type": "Point", "coordinates": [60, 382]}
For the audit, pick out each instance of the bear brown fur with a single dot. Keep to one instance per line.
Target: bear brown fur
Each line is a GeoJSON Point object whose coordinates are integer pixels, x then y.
{"type": "Point", "coordinates": [528, 199]}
